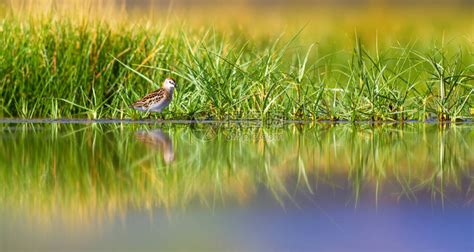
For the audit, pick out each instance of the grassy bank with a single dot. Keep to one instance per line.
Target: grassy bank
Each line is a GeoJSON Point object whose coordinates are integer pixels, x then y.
{"type": "Point", "coordinates": [64, 66]}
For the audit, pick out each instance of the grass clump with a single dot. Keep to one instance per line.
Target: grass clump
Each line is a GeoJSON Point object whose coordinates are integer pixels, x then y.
{"type": "Point", "coordinates": [58, 67]}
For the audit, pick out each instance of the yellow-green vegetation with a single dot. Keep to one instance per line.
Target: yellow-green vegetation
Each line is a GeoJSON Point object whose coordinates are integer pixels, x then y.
{"type": "Point", "coordinates": [238, 64]}
{"type": "Point", "coordinates": [93, 171]}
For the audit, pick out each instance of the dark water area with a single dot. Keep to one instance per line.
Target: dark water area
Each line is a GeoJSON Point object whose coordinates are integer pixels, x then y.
{"type": "Point", "coordinates": [236, 187]}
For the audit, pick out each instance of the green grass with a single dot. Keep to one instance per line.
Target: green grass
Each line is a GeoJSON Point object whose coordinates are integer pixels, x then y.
{"type": "Point", "coordinates": [59, 67]}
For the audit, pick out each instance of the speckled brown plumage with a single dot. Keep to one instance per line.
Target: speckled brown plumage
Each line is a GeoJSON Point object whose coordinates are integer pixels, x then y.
{"type": "Point", "coordinates": [157, 100]}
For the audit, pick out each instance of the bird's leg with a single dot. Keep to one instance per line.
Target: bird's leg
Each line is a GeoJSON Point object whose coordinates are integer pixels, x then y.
{"type": "Point", "coordinates": [161, 116]}
{"type": "Point", "coordinates": [148, 115]}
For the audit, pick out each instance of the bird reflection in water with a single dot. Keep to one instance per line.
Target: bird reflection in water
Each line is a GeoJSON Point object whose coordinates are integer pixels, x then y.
{"type": "Point", "coordinates": [159, 140]}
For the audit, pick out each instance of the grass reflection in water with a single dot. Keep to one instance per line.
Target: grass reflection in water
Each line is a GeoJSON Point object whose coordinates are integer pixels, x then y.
{"type": "Point", "coordinates": [77, 172]}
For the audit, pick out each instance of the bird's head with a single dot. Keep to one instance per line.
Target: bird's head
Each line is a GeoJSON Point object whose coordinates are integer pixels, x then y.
{"type": "Point", "coordinates": [169, 84]}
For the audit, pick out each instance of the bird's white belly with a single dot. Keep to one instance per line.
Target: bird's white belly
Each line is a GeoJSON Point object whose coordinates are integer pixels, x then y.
{"type": "Point", "coordinates": [158, 107]}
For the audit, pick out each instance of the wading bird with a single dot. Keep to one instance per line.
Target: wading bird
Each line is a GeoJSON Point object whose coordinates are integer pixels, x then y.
{"type": "Point", "coordinates": [157, 100]}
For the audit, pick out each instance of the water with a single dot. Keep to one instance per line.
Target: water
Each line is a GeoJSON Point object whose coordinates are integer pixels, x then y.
{"type": "Point", "coordinates": [236, 186]}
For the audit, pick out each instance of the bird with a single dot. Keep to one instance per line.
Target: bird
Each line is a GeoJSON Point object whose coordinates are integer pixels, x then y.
{"type": "Point", "coordinates": [157, 100]}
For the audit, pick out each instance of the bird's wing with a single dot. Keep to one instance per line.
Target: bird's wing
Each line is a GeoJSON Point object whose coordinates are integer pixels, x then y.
{"type": "Point", "coordinates": [153, 96]}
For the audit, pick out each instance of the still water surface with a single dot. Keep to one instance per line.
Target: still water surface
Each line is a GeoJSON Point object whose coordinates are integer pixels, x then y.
{"type": "Point", "coordinates": [241, 187]}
